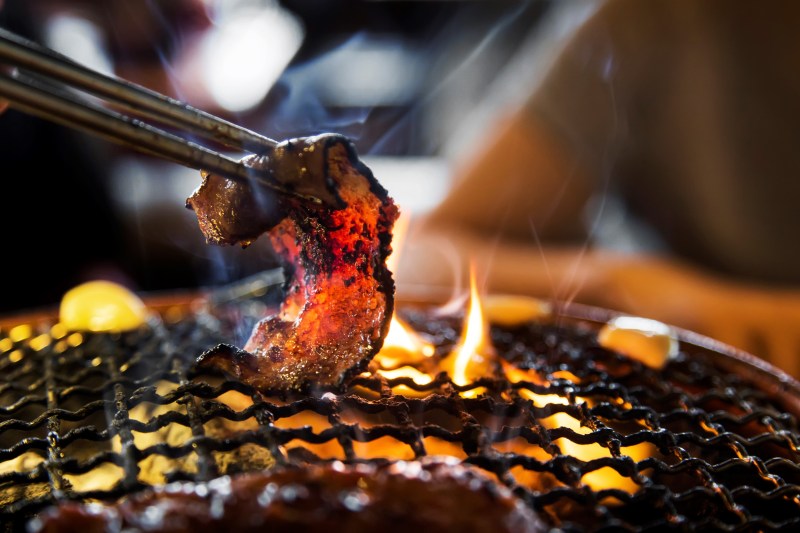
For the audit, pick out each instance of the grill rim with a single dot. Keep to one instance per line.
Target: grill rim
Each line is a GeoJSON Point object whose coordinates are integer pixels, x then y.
{"type": "Point", "coordinates": [783, 387]}
{"type": "Point", "coordinates": [774, 381]}
{"type": "Point", "coordinates": [771, 379]}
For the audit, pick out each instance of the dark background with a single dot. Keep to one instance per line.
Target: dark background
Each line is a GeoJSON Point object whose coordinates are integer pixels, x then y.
{"type": "Point", "coordinates": [59, 221]}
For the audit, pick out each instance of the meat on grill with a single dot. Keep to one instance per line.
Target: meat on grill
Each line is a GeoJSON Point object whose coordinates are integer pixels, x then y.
{"type": "Point", "coordinates": [340, 297]}
{"type": "Point", "coordinates": [428, 495]}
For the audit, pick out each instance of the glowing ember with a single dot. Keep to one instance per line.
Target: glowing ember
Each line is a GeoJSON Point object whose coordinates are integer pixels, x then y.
{"type": "Point", "coordinates": [421, 378]}
{"type": "Point", "coordinates": [600, 479]}
{"type": "Point", "coordinates": [410, 366]}
{"type": "Point", "coordinates": [338, 302]}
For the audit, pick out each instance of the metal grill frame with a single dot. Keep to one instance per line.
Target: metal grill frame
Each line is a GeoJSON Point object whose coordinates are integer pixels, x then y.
{"type": "Point", "coordinates": [121, 389]}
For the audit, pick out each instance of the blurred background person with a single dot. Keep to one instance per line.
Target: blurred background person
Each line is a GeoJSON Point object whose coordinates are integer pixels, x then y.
{"type": "Point", "coordinates": [653, 169]}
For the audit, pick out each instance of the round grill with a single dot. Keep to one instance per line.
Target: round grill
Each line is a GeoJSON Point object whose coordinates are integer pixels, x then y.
{"type": "Point", "coordinates": [101, 416]}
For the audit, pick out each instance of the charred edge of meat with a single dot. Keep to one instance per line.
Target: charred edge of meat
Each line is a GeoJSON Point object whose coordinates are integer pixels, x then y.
{"type": "Point", "coordinates": [328, 141]}
{"type": "Point", "coordinates": [228, 360]}
{"type": "Point", "coordinates": [436, 494]}
{"type": "Point", "coordinates": [343, 241]}
{"type": "Point", "coordinates": [295, 169]}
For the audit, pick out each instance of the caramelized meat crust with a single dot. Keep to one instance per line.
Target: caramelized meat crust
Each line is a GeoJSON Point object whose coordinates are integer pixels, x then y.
{"type": "Point", "coordinates": [340, 297]}
{"type": "Point", "coordinates": [429, 495]}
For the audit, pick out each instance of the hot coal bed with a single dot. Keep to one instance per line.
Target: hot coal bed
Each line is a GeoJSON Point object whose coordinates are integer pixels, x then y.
{"type": "Point", "coordinates": [101, 416]}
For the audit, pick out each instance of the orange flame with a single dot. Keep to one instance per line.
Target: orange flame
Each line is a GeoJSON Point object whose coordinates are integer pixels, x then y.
{"type": "Point", "coordinates": [406, 354]}
{"type": "Point", "coordinates": [399, 232]}
{"type": "Point", "coordinates": [402, 347]}
{"type": "Point", "coordinates": [473, 355]}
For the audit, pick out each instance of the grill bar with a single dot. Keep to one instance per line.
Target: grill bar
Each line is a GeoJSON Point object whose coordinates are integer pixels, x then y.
{"type": "Point", "coordinates": [266, 430]}
{"type": "Point", "coordinates": [207, 468]}
{"type": "Point", "coordinates": [53, 461]}
{"type": "Point", "coordinates": [120, 418]}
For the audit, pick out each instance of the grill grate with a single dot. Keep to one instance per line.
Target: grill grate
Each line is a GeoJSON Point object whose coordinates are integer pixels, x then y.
{"type": "Point", "coordinates": [100, 416]}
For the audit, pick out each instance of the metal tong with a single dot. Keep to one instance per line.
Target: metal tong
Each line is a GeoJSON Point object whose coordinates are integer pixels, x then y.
{"type": "Point", "coordinates": [44, 83]}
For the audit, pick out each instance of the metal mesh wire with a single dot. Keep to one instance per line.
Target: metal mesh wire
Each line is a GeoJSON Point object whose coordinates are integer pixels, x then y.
{"type": "Point", "coordinates": [588, 438]}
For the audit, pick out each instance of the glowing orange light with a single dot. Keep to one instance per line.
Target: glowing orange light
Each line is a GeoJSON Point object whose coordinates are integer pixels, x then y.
{"type": "Point", "coordinates": [399, 232]}
{"type": "Point", "coordinates": [472, 357]}
{"type": "Point", "coordinates": [602, 478]}
{"type": "Point", "coordinates": [419, 377]}
{"type": "Point", "coordinates": [515, 375]}
{"type": "Point", "coordinates": [402, 349]}
{"type": "Point", "coordinates": [402, 346]}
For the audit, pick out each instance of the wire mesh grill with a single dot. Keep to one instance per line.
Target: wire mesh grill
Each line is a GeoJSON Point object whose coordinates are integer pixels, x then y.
{"type": "Point", "coordinates": [590, 439]}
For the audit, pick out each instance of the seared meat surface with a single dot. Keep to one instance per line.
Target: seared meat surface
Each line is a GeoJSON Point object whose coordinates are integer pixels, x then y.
{"type": "Point", "coordinates": [340, 297]}
{"type": "Point", "coordinates": [429, 495]}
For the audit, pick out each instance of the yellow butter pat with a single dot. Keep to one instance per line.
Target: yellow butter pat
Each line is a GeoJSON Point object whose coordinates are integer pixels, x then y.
{"type": "Point", "coordinates": [513, 310]}
{"type": "Point", "coordinates": [651, 342]}
{"type": "Point", "coordinates": [101, 306]}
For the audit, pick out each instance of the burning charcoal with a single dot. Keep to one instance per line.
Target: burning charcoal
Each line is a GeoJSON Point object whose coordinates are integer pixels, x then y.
{"type": "Point", "coordinates": [339, 301]}
{"type": "Point", "coordinates": [430, 495]}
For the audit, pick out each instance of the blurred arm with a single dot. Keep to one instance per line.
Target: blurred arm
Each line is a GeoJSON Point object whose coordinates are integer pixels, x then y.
{"type": "Point", "coordinates": [761, 320]}
{"type": "Point", "coordinates": [519, 183]}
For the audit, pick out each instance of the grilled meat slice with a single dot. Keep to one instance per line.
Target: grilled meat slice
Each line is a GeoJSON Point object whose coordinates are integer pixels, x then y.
{"type": "Point", "coordinates": [428, 495]}
{"type": "Point", "coordinates": [340, 298]}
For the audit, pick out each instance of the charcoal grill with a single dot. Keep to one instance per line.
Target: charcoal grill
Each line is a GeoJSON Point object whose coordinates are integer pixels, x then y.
{"type": "Point", "coordinates": [101, 416]}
